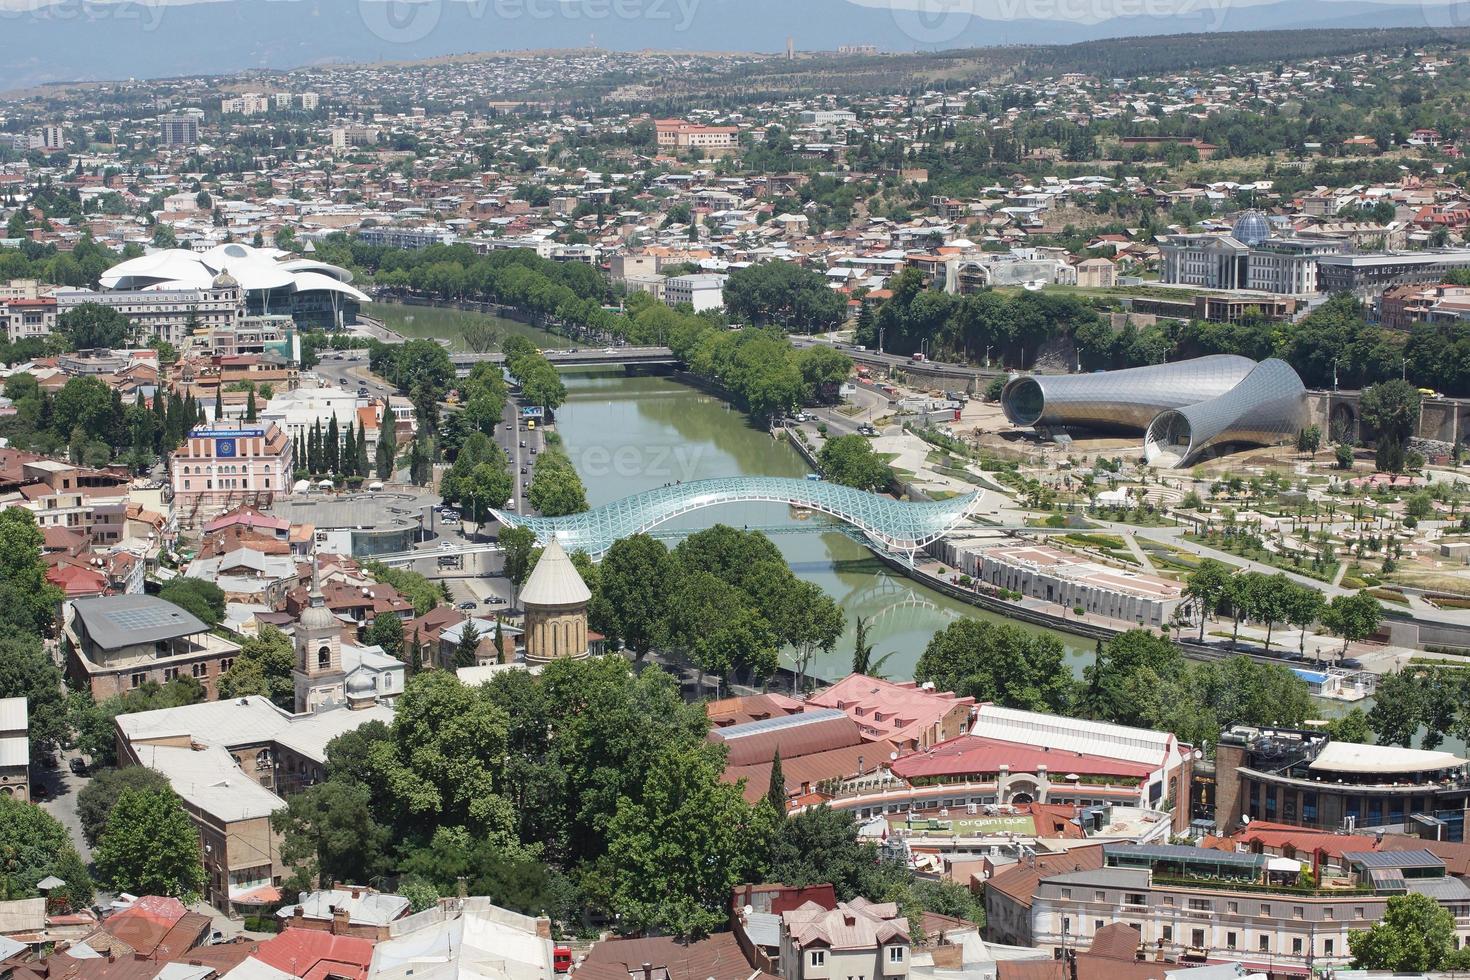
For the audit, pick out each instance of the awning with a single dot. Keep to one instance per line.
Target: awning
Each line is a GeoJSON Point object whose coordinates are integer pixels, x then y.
{"type": "Point", "coordinates": [264, 895]}
{"type": "Point", "coordinates": [1263, 966]}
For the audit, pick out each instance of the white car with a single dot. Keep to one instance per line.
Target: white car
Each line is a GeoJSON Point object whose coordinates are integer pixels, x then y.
{"type": "Point", "coordinates": [446, 545]}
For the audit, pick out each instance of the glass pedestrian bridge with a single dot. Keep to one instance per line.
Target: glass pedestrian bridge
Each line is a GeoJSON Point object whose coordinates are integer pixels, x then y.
{"type": "Point", "coordinates": [893, 525]}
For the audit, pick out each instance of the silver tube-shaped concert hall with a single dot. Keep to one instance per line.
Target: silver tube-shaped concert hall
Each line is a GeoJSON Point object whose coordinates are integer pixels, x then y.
{"type": "Point", "coordinates": [1267, 408]}
{"type": "Point", "coordinates": [1125, 400]}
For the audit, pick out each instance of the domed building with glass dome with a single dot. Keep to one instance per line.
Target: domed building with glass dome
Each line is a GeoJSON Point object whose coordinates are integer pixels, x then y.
{"type": "Point", "coordinates": [1251, 228]}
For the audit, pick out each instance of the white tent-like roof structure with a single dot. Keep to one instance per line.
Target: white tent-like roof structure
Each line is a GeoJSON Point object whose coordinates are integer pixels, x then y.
{"type": "Point", "coordinates": [255, 269]}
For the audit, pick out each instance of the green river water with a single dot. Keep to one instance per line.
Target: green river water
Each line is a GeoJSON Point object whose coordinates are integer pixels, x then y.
{"type": "Point", "coordinates": [627, 433]}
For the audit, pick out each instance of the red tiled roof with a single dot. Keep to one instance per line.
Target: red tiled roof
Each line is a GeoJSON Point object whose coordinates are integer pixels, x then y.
{"type": "Point", "coordinates": [310, 954]}
{"type": "Point", "coordinates": [974, 754]}
{"type": "Point", "coordinates": [717, 957]}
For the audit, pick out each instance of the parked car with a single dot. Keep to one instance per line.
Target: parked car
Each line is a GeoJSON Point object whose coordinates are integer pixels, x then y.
{"type": "Point", "coordinates": [523, 444]}
{"type": "Point", "coordinates": [78, 766]}
{"type": "Point", "coordinates": [446, 545]}
{"type": "Point", "coordinates": [494, 600]}
{"type": "Point", "coordinates": [467, 604]}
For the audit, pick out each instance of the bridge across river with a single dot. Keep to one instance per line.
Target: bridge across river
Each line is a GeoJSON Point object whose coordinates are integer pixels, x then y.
{"type": "Point", "coordinates": [573, 360]}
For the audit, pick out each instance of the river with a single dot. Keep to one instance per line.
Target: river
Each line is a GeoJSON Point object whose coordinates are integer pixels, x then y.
{"type": "Point", "coordinates": [440, 323]}
{"type": "Point", "coordinates": [629, 434]}
{"type": "Point", "coordinates": [626, 434]}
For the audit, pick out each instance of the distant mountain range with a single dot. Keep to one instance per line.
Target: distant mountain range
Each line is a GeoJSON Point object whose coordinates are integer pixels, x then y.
{"type": "Point", "coordinates": [78, 41]}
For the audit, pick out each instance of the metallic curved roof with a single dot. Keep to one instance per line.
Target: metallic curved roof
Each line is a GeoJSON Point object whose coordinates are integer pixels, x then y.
{"type": "Point", "coordinates": [1126, 399]}
{"type": "Point", "coordinates": [894, 524]}
{"type": "Point", "coordinates": [1267, 408]}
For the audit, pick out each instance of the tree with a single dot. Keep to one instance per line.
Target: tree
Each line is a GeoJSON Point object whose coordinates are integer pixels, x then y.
{"type": "Point", "coordinates": [1391, 408]}
{"type": "Point", "coordinates": [999, 662]}
{"type": "Point", "coordinates": [150, 846]}
{"type": "Point", "coordinates": [674, 856]}
{"type": "Point", "coordinates": [1343, 456]}
{"type": "Point", "coordinates": [33, 846]}
{"type": "Point", "coordinates": [387, 632]}
{"type": "Point", "coordinates": [1207, 586]}
{"type": "Point", "coordinates": [850, 461]}
{"type": "Point", "coordinates": [637, 579]}
{"type": "Point", "coordinates": [331, 830]}
{"type": "Point", "coordinates": [1398, 705]}
{"type": "Point", "coordinates": [783, 293]}
{"type": "Point", "coordinates": [820, 845]}
{"type": "Point", "coordinates": [28, 603]}
{"type": "Point", "coordinates": [519, 552]}
{"type": "Point", "coordinates": [387, 451]}
{"type": "Point", "coordinates": [203, 599]}
{"type": "Point", "coordinates": [1309, 440]}
{"type": "Point", "coordinates": [467, 650]}
{"type": "Point", "coordinates": [1415, 934]}
{"type": "Point", "coordinates": [1304, 607]}
{"type": "Point", "coordinates": [556, 489]}
{"type": "Point", "coordinates": [100, 795]}
{"type": "Point", "coordinates": [92, 325]}
{"type": "Point", "coordinates": [27, 671]}
{"type": "Point", "coordinates": [1353, 617]}
{"type": "Point", "coordinates": [776, 790]}
{"type": "Point", "coordinates": [264, 667]}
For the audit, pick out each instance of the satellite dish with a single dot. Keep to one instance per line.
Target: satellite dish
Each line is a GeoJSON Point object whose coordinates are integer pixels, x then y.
{"type": "Point", "coordinates": [893, 757]}
{"type": "Point", "coordinates": [1245, 818]}
{"type": "Point", "coordinates": [749, 909]}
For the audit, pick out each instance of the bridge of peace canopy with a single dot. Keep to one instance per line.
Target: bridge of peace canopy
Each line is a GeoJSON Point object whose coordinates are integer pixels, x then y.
{"type": "Point", "coordinates": [893, 525]}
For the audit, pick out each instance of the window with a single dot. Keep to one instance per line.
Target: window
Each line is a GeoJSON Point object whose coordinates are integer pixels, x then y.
{"type": "Point", "coordinates": [169, 673]}
{"type": "Point", "coordinates": [1197, 938]}
{"type": "Point", "coordinates": [1134, 898]}
{"type": "Point", "coordinates": [1099, 896]}
{"type": "Point", "coordinates": [1232, 907]}
{"type": "Point", "coordinates": [324, 657]}
{"type": "Point", "coordinates": [1230, 940]}
{"type": "Point", "coordinates": [1329, 913]}
{"type": "Point", "coordinates": [1168, 934]}
{"type": "Point", "coordinates": [137, 680]}
{"type": "Point", "coordinates": [1297, 912]}
{"type": "Point", "coordinates": [1265, 909]}
{"type": "Point", "coordinates": [1327, 947]}
{"type": "Point", "coordinates": [1200, 904]}
{"type": "Point", "coordinates": [1265, 944]}
{"type": "Point", "coordinates": [1357, 911]}
{"type": "Point", "coordinates": [895, 954]}
{"type": "Point", "coordinates": [1067, 894]}
{"type": "Point", "coordinates": [200, 670]}
{"type": "Point", "coordinates": [1296, 946]}
{"type": "Point", "coordinates": [817, 957]}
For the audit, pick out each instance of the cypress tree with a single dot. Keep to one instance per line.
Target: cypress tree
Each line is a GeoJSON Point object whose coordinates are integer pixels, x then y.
{"type": "Point", "coordinates": [314, 447]}
{"type": "Point", "coordinates": [363, 466]}
{"type": "Point", "coordinates": [415, 658]}
{"type": "Point", "coordinates": [776, 792]}
{"type": "Point", "coordinates": [465, 652]}
{"type": "Point", "coordinates": [387, 446]}
{"type": "Point", "coordinates": [332, 450]}
{"type": "Point", "coordinates": [219, 402]}
{"type": "Point", "coordinates": [349, 453]}
{"type": "Point", "coordinates": [250, 411]}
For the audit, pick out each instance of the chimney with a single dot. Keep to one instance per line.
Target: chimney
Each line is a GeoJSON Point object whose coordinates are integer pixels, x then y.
{"type": "Point", "coordinates": [341, 921]}
{"type": "Point", "coordinates": [357, 891]}
{"type": "Point", "coordinates": [297, 915]}
{"type": "Point", "coordinates": [647, 971]}
{"type": "Point", "coordinates": [543, 928]}
{"type": "Point", "coordinates": [461, 887]}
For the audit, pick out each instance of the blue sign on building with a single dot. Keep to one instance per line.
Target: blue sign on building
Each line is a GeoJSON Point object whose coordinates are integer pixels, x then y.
{"type": "Point", "coordinates": [224, 447]}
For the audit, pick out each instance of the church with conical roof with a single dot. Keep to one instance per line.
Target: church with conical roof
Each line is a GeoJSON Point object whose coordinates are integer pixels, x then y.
{"type": "Point", "coordinates": [555, 600]}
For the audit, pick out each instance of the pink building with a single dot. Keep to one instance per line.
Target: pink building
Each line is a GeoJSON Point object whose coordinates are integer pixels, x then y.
{"type": "Point", "coordinates": [228, 464]}
{"type": "Point", "coordinates": [904, 713]}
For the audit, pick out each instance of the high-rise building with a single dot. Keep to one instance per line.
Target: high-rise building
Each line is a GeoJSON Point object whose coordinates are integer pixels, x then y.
{"type": "Point", "coordinates": [179, 128]}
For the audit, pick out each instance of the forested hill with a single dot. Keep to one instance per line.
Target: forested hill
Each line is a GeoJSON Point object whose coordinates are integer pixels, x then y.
{"type": "Point", "coordinates": [1129, 57]}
